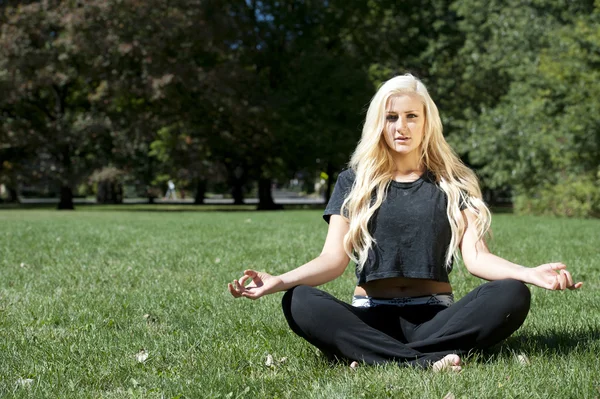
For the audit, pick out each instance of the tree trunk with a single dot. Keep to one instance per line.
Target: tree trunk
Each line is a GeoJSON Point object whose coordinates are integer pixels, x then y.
{"type": "Point", "coordinates": [66, 198]}
{"type": "Point", "coordinates": [200, 191]}
{"type": "Point", "coordinates": [150, 195]}
{"type": "Point", "coordinates": [13, 195]}
{"type": "Point", "coordinates": [236, 178]}
{"type": "Point", "coordinates": [237, 192]}
{"type": "Point", "coordinates": [265, 198]}
{"type": "Point", "coordinates": [109, 192]}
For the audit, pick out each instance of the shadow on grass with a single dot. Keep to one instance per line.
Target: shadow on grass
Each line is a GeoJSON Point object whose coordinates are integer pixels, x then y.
{"type": "Point", "coordinates": [559, 342]}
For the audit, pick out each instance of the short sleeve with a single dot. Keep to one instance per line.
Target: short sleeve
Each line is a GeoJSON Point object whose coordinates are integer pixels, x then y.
{"type": "Point", "coordinates": [342, 188]}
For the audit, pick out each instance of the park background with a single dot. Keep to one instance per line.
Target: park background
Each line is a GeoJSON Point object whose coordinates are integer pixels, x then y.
{"type": "Point", "coordinates": [102, 102]}
{"type": "Point", "coordinates": [111, 99]}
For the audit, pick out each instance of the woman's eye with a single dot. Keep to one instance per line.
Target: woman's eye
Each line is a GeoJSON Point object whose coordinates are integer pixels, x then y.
{"type": "Point", "coordinates": [412, 116]}
{"type": "Point", "coordinates": [392, 118]}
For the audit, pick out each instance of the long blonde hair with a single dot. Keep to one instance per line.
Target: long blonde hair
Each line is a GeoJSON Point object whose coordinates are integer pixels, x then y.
{"type": "Point", "coordinates": [374, 166]}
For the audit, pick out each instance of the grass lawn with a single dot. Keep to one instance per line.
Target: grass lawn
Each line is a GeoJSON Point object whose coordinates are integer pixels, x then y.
{"type": "Point", "coordinates": [83, 293]}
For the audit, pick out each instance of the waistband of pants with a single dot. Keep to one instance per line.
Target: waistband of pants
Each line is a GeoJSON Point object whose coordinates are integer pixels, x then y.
{"type": "Point", "coordinates": [445, 299]}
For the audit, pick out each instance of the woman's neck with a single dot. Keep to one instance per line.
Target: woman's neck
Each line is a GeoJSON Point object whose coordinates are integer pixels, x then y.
{"type": "Point", "coordinates": [408, 171]}
{"type": "Point", "coordinates": [407, 177]}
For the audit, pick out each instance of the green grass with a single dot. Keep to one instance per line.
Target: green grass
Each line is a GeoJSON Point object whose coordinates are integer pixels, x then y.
{"type": "Point", "coordinates": [81, 293]}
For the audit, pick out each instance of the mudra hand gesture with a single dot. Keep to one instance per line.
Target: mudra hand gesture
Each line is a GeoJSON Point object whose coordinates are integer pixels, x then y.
{"type": "Point", "coordinates": [262, 284]}
{"type": "Point", "coordinates": [553, 276]}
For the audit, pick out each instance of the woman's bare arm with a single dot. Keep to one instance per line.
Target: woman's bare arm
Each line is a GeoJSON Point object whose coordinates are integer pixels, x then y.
{"type": "Point", "coordinates": [482, 263]}
{"type": "Point", "coordinates": [329, 265]}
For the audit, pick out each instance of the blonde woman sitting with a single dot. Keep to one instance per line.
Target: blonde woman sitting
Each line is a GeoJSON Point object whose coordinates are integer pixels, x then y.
{"type": "Point", "coordinates": [401, 212]}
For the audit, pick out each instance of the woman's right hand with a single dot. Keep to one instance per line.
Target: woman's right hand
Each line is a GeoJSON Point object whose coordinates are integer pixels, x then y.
{"type": "Point", "coordinates": [262, 284]}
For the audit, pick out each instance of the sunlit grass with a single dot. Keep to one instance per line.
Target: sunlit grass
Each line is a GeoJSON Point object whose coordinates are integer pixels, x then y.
{"type": "Point", "coordinates": [83, 293]}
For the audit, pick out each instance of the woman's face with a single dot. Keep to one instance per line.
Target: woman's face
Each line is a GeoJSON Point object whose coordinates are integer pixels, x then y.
{"type": "Point", "coordinates": [404, 124]}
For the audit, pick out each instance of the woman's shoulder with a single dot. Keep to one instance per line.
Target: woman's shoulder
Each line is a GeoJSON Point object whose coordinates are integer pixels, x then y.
{"type": "Point", "coordinates": [346, 176]}
{"type": "Point", "coordinates": [463, 195]}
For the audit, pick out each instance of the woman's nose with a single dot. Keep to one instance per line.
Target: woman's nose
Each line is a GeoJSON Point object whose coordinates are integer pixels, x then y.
{"type": "Point", "coordinates": [400, 124]}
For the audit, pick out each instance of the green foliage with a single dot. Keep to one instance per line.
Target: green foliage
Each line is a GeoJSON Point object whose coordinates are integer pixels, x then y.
{"type": "Point", "coordinates": [537, 128]}
{"type": "Point", "coordinates": [51, 129]}
{"type": "Point", "coordinates": [570, 197]}
{"type": "Point", "coordinates": [110, 174]}
{"type": "Point", "coordinates": [214, 92]}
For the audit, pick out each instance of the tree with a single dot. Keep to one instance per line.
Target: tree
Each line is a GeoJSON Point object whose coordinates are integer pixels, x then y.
{"type": "Point", "coordinates": [91, 83]}
{"type": "Point", "coordinates": [303, 97]}
{"type": "Point", "coordinates": [45, 109]}
{"type": "Point", "coordinates": [533, 136]}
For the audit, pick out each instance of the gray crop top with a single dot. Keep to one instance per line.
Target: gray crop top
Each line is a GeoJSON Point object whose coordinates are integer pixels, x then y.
{"type": "Point", "coordinates": [411, 229]}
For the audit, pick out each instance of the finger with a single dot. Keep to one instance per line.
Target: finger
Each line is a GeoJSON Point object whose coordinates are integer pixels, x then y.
{"type": "Point", "coordinates": [576, 286]}
{"type": "Point", "coordinates": [238, 286]}
{"type": "Point", "coordinates": [250, 295]}
{"type": "Point", "coordinates": [569, 278]}
{"type": "Point", "coordinates": [256, 277]}
{"type": "Point", "coordinates": [555, 284]}
{"type": "Point", "coordinates": [243, 280]}
{"type": "Point", "coordinates": [559, 282]}
{"type": "Point", "coordinates": [557, 266]}
{"type": "Point", "coordinates": [232, 291]}
{"type": "Point", "coordinates": [562, 279]}
{"type": "Point", "coordinates": [253, 274]}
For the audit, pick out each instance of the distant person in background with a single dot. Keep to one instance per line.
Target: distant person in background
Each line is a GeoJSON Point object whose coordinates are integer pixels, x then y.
{"type": "Point", "coordinates": [403, 211]}
{"type": "Point", "coordinates": [171, 193]}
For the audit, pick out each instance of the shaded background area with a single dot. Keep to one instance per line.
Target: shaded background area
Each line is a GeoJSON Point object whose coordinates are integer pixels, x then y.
{"type": "Point", "coordinates": [111, 99]}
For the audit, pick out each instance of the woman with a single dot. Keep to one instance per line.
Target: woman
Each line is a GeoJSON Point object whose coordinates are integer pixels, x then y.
{"type": "Point", "coordinates": [402, 211]}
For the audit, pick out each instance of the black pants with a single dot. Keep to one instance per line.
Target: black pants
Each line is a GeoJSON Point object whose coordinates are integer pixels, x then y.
{"type": "Point", "coordinates": [411, 335]}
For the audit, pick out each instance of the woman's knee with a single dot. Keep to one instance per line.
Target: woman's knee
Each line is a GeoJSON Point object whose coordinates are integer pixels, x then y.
{"type": "Point", "coordinates": [297, 299]}
{"type": "Point", "coordinates": [515, 293]}
{"type": "Point", "coordinates": [295, 295]}
{"type": "Point", "coordinates": [304, 308]}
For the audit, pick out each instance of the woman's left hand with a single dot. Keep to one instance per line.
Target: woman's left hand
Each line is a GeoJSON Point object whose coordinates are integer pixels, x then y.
{"type": "Point", "coordinates": [552, 276]}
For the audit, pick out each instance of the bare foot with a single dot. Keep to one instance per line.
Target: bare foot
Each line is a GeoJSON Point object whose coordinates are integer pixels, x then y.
{"type": "Point", "coordinates": [448, 363]}
{"type": "Point", "coordinates": [354, 365]}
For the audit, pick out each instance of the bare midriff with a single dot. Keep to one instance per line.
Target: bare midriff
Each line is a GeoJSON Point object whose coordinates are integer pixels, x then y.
{"type": "Point", "coordinates": [399, 287]}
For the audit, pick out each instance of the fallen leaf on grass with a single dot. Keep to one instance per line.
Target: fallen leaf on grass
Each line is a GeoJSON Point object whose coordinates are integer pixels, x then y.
{"type": "Point", "coordinates": [141, 356]}
{"type": "Point", "coordinates": [523, 359]}
{"type": "Point", "coordinates": [449, 395]}
{"type": "Point", "coordinates": [270, 362]}
{"type": "Point", "coordinates": [150, 318]}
